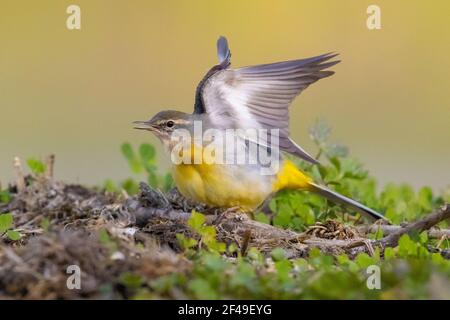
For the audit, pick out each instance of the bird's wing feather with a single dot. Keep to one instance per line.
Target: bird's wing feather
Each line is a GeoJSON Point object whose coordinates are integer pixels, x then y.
{"type": "Point", "coordinates": [223, 52]}
{"type": "Point", "coordinates": [259, 96]}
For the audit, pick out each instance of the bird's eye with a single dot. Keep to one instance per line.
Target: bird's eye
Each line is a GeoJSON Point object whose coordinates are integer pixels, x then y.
{"type": "Point", "coordinates": [170, 124]}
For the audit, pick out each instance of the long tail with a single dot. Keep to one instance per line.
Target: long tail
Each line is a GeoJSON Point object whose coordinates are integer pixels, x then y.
{"type": "Point", "coordinates": [340, 199]}
{"type": "Point", "coordinates": [290, 177]}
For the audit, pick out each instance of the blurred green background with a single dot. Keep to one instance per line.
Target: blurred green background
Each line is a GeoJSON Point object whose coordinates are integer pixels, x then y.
{"type": "Point", "coordinates": [75, 93]}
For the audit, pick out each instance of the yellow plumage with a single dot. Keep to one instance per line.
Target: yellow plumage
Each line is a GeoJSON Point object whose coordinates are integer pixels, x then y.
{"type": "Point", "coordinates": [243, 186]}
{"type": "Point", "coordinates": [225, 185]}
{"type": "Point", "coordinates": [290, 177]}
{"type": "Point", "coordinates": [217, 186]}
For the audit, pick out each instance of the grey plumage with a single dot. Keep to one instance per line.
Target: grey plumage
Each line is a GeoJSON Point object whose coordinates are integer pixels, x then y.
{"type": "Point", "coordinates": [223, 52]}
{"type": "Point", "coordinates": [258, 96]}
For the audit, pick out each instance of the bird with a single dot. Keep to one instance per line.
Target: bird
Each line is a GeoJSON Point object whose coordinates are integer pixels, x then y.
{"type": "Point", "coordinates": [234, 100]}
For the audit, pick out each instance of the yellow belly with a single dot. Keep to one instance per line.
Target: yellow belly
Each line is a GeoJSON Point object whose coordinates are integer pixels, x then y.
{"type": "Point", "coordinates": [222, 185]}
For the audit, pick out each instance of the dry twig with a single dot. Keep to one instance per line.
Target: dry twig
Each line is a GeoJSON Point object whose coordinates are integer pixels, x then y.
{"type": "Point", "coordinates": [20, 178]}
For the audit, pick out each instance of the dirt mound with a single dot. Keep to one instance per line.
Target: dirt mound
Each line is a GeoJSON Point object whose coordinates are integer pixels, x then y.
{"type": "Point", "coordinates": [70, 225]}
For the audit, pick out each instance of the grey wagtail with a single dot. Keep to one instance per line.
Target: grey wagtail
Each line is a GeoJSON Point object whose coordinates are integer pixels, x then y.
{"type": "Point", "coordinates": [255, 97]}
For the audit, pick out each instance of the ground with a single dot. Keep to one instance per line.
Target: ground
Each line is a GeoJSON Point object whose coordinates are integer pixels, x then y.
{"type": "Point", "coordinates": [131, 240]}
{"type": "Point", "coordinates": [157, 245]}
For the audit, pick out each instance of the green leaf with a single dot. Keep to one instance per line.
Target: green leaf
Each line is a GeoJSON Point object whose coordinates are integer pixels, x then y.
{"type": "Point", "coordinates": [261, 217]}
{"type": "Point", "coordinates": [133, 161]}
{"type": "Point", "coordinates": [315, 253]}
{"type": "Point", "coordinates": [168, 182]}
{"type": "Point", "coordinates": [301, 264]}
{"type": "Point", "coordinates": [185, 242]}
{"type": "Point", "coordinates": [202, 289]}
{"type": "Point", "coordinates": [152, 178]}
{"type": "Point", "coordinates": [127, 151]}
{"type": "Point", "coordinates": [423, 237]}
{"type": "Point", "coordinates": [130, 280]}
{"type": "Point", "coordinates": [196, 220]}
{"type": "Point", "coordinates": [278, 254]}
{"type": "Point", "coordinates": [217, 246]}
{"type": "Point", "coordinates": [364, 260]}
{"type": "Point", "coordinates": [135, 166]}
{"type": "Point", "coordinates": [244, 276]}
{"type": "Point", "coordinates": [273, 205]}
{"type": "Point", "coordinates": [389, 253]}
{"type": "Point", "coordinates": [215, 262]}
{"type": "Point", "coordinates": [255, 255]}
{"type": "Point", "coordinates": [283, 268]}
{"type": "Point", "coordinates": [45, 224]}
{"type": "Point", "coordinates": [306, 214]}
{"type": "Point", "coordinates": [36, 166]}
{"type": "Point", "coordinates": [6, 222]}
{"type": "Point", "coordinates": [147, 152]}
{"type": "Point", "coordinates": [407, 247]}
{"type": "Point", "coordinates": [337, 164]}
{"type": "Point", "coordinates": [284, 215]}
{"type": "Point", "coordinates": [232, 248]}
{"type": "Point", "coordinates": [426, 198]}
{"type": "Point", "coordinates": [208, 234]}
{"type": "Point", "coordinates": [437, 258]}
{"type": "Point", "coordinates": [352, 169]}
{"type": "Point", "coordinates": [393, 216]}
{"type": "Point", "coordinates": [13, 235]}
{"type": "Point", "coordinates": [110, 186]}
{"type": "Point", "coordinates": [130, 186]}
{"type": "Point", "coordinates": [5, 196]}
{"type": "Point", "coordinates": [106, 240]}
{"type": "Point", "coordinates": [343, 258]}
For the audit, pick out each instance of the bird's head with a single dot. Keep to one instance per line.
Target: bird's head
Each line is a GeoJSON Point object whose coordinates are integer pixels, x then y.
{"type": "Point", "coordinates": [164, 123]}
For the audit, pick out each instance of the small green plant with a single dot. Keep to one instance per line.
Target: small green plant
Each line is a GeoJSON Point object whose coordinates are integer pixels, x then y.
{"type": "Point", "coordinates": [36, 166]}
{"type": "Point", "coordinates": [207, 234]}
{"type": "Point", "coordinates": [131, 280]}
{"type": "Point", "coordinates": [186, 243]}
{"type": "Point", "coordinates": [6, 227]}
{"type": "Point", "coordinates": [297, 210]}
{"type": "Point", "coordinates": [5, 196]}
{"type": "Point", "coordinates": [107, 241]}
{"type": "Point", "coordinates": [45, 224]}
{"type": "Point", "coordinates": [141, 162]}
{"type": "Point", "coordinates": [406, 272]}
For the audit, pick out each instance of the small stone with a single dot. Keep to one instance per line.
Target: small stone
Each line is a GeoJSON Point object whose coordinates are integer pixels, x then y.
{"type": "Point", "coordinates": [117, 256]}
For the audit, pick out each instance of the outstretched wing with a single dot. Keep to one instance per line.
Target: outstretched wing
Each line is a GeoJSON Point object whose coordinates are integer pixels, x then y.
{"type": "Point", "coordinates": [258, 96]}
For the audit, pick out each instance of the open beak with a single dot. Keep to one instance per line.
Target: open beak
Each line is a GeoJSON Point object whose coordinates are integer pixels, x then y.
{"type": "Point", "coordinates": [143, 125]}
